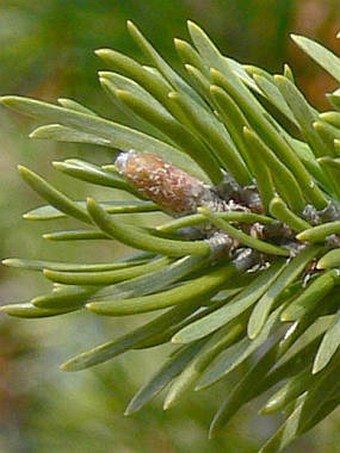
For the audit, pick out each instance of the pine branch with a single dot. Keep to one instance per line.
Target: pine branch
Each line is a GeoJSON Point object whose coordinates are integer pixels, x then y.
{"type": "Point", "coordinates": [248, 267]}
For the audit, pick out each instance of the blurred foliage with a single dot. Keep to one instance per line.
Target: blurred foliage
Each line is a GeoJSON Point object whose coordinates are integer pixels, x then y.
{"type": "Point", "coordinates": [46, 46]}
{"type": "Point", "coordinates": [46, 52]}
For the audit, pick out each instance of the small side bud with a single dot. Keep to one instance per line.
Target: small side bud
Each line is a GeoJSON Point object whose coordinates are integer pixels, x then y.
{"type": "Point", "coordinates": [221, 244]}
{"type": "Point", "coordinates": [331, 213]}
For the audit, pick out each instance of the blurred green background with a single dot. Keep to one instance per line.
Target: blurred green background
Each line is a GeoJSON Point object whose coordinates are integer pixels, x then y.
{"type": "Point", "coordinates": [47, 52]}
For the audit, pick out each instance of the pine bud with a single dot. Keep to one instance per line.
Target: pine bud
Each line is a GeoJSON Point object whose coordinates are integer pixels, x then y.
{"type": "Point", "coordinates": [174, 190]}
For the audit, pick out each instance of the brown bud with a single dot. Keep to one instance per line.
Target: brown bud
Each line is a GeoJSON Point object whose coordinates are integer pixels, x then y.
{"type": "Point", "coordinates": [174, 190]}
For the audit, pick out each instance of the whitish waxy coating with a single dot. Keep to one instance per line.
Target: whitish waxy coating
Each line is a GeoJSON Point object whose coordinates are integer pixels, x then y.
{"type": "Point", "coordinates": [170, 187]}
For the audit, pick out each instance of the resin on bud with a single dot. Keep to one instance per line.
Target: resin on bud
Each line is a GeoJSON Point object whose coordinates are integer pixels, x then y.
{"type": "Point", "coordinates": [174, 190]}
